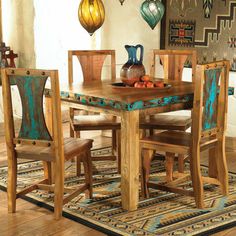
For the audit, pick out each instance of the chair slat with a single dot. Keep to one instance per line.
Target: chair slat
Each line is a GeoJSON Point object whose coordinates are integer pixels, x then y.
{"type": "Point", "coordinates": [91, 66]}
{"type": "Point", "coordinates": [33, 124]}
{"type": "Point", "coordinates": [212, 77]}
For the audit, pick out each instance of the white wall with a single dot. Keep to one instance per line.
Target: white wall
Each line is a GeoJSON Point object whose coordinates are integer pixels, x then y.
{"type": "Point", "coordinates": [231, 126]}
{"type": "Point", "coordinates": [18, 33]}
{"type": "Point", "coordinates": [57, 30]}
{"type": "Point", "coordinates": [125, 25]}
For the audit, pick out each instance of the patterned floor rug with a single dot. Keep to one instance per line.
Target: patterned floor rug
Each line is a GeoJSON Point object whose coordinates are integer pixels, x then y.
{"type": "Point", "coordinates": [162, 214]}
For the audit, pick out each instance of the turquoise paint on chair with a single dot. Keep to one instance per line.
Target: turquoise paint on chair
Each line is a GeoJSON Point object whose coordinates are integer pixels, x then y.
{"type": "Point", "coordinates": [211, 96]}
{"type": "Point", "coordinates": [33, 124]}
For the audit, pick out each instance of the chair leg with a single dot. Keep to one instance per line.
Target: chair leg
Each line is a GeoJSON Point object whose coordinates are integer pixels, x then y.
{"type": "Point", "coordinates": [12, 181]}
{"type": "Point", "coordinates": [151, 132]}
{"type": "Point", "coordinates": [114, 141]}
{"type": "Point", "coordinates": [222, 168]}
{"type": "Point", "coordinates": [47, 166]}
{"type": "Point", "coordinates": [71, 115]}
{"type": "Point", "coordinates": [196, 177]}
{"type": "Point", "coordinates": [142, 133]}
{"type": "Point", "coordinates": [181, 163]}
{"type": "Point", "coordinates": [71, 131]}
{"type": "Point", "coordinates": [146, 165]}
{"type": "Point", "coordinates": [59, 187]}
{"type": "Point", "coordinates": [169, 166]}
{"type": "Point", "coordinates": [78, 159]}
{"type": "Point", "coordinates": [78, 165]}
{"type": "Point", "coordinates": [118, 147]}
{"type": "Point", "coordinates": [212, 163]}
{"type": "Point", "coordinates": [88, 173]}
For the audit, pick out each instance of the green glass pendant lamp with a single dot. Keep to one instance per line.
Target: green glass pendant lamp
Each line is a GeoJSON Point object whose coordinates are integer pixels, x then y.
{"type": "Point", "coordinates": [91, 15]}
{"type": "Point", "coordinates": [152, 12]}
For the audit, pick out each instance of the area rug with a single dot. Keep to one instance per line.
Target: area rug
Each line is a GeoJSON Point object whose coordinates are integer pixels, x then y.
{"type": "Point", "coordinates": [162, 214]}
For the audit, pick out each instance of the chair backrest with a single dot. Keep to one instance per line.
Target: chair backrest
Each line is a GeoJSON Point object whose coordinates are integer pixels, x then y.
{"type": "Point", "coordinates": [31, 85]}
{"type": "Point", "coordinates": [173, 62]}
{"type": "Point", "coordinates": [210, 100]}
{"type": "Point", "coordinates": [91, 62]}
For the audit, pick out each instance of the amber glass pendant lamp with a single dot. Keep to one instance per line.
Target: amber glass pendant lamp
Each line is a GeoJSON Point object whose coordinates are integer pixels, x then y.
{"type": "Point", "coordinates": [91, 15]}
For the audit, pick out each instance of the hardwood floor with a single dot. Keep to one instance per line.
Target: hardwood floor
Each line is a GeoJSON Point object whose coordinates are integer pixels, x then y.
{"type": "Point", "coordinates": [33, 220]}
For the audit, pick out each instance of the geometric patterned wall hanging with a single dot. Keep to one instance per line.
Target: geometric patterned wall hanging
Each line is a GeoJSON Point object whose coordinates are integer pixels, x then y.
{"type": "Point", "coordinates": [207, 6]}
{"type": "Point", "coordinates": [214, 37]}
{"type": "Point", "coordinates": [182, 33]}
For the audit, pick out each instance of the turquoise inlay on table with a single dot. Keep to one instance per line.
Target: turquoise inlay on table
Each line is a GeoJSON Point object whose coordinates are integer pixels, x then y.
{"type": "Point", "coordinates": [64, 94]}
{"type": "Point", "coordinates": [137, 105]}
{"type": "Point", "coordinates": [158, 102]}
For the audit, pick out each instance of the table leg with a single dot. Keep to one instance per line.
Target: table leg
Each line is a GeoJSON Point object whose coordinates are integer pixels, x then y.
{"type": "Point", "coordinates": [130, 159]}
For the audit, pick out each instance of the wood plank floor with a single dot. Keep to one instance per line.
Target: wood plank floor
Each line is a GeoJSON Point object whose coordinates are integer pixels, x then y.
{"type": "Point", "coordinates": [33, 220]}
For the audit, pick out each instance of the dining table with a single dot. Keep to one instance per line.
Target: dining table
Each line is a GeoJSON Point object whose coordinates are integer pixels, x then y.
{"type": "Point", "coordinates": [129, 104]}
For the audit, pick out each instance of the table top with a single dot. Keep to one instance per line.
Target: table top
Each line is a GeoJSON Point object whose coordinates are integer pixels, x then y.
{"type": "Point", "coordinates": [102, 93]}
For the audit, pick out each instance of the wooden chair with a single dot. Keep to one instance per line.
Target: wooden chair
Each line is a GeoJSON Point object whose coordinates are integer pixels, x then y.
{"type": "Point", "coordinates": [91, 62]}
{"type": "Point", "coordinates": [173, 62]}
{"type": "Point", "coordinates": [208, 132]}
{"type": "Point", "coordinates": [35, 142]}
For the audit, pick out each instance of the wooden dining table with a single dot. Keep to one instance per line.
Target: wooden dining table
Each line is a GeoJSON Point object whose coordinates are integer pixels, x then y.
{"type": "Point", "coordinates": [129, 104]}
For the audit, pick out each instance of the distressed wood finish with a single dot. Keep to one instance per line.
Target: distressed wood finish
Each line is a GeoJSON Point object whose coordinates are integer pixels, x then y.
{"type": "Point", "coordinates": [130, 159]}
{"type": "Point", "coordinates": [92, 64]}
{"type": "Point", "coordinates": [35, 142]}
{"type": "Point", "coordinates": [199, 139]}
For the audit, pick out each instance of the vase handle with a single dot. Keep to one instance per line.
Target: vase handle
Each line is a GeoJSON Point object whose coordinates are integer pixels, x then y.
{"type": "Point", "coordinates": [140, 61]}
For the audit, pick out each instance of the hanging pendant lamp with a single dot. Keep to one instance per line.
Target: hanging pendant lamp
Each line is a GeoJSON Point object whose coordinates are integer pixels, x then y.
{"type": "Point", "coordinates": [91, 15]}
{"type": "Point", "coordinates": [152, 12]}
{"type": "Point", "coordinates": [121, 2]}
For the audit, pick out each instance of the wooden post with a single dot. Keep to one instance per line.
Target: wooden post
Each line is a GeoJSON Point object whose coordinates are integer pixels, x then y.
{"type": "Point", "coordinates": [129, 159]}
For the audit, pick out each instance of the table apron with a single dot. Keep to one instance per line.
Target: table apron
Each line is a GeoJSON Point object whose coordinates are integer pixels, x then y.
{"type": "Point", "coordinates": [116, 112]}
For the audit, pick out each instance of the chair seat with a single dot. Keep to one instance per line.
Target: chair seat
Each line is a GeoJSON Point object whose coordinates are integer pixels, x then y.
{"type": "Point", "coordinates": [169, 141]}
{"type": "Point", "coordinates": [72, 146]}
{"type": "Point", "coordinates": [168, 122]}
{"type": "Point", "coordinates": [175, 141]}
{"type": "Point", "coordinates": [95, 122]}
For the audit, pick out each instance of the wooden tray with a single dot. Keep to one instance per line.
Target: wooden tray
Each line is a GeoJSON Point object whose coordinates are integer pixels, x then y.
{"type": "Point", "coordinates": [120, 85]}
